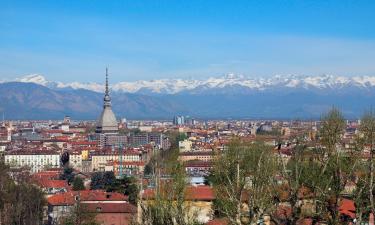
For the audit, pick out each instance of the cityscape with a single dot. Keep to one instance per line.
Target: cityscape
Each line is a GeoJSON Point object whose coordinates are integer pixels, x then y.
{"type": "Point", "coordinates": [111, 143]}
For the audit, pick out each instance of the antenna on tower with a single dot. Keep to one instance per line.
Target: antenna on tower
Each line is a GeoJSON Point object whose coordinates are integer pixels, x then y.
{"type": "Point", "coordinates": [106, 81]}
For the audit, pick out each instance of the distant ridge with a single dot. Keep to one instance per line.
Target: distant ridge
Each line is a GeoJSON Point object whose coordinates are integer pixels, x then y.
{"type": "Point", "coordinates": [176, 86]}
{"type": "Point", "coordinates": [285, 97]}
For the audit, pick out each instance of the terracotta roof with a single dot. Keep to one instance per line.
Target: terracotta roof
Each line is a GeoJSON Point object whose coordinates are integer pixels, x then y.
{"type": "Point", "coordinates": [304, 221]}
{"type": "Point", "coordinates": [202, 193]}
{"type": "Point", "coordinates": [110, 207]}
{"type": "Point", "coordinates": [68, 198]}
{"type": "Point", "coordinates": [84, 142]}
{"type": "Point", "coordinates": [192, 153]}
{"type": "Point", "coordinates": [217, 222]}
{"type": "Point", "coordinates": [45, 183]}
{"type": "Point", "coordinates": [198, 193]}
{"type": "Point", "coordinates": [198, 163]}
{"type": "Point", "coordinates": [47, 175]}
{"type": "Point", "coordinates": [347, 207]}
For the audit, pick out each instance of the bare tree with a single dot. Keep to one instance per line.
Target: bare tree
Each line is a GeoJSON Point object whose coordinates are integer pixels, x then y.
{"type": "Point", "coordinates": [243, 179]}
{"type": "Point", "coordinates": [168, 205]}
{"type": "Point", "coordinates": [367, 138]}
{"type": "Point", "coordinates": [336, 165]}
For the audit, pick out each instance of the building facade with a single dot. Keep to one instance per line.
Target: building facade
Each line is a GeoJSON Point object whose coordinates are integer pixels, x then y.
{"type": "Point", "coordinates": [35, 160]}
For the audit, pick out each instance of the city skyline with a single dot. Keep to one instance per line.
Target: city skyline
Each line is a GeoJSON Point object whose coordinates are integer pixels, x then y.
{"type": "Point", "coordinates": [74, 41]}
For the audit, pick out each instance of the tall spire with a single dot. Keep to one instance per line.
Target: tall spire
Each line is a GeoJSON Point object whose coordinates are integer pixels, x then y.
{"type": "Point", "coordinates": [107, 122]}
{"type": "Point", "coordinates": [107, 98]}
{"type": "Point", "coordinates": [106, 81]}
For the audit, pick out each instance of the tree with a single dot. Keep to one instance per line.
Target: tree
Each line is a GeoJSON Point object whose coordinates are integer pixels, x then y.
{"type": "Point", "coordinates": [367, 182]}
{"type": "Point", "coordinates": [108, 179]}
{"type": "Point", "coordinates": [78, 184]}
{"type": "Point", "coordinates": [336, 166]}
{"type": "Point", "coordinates": [126, 185]}
{"type": "Point", "coordinates": [80, 216]}
{"type": "Point", "coordinates": [102, 180]}
{"type": "Point", "coordinates": [168, 205]}
{"type": "Point", "coordinates": [97, 181]}
{"type": "Point", "coordinates": [148, 169]}
{"type": "Point", "coordinates": [244, 174]}
{"type": "Point", "coordinates": [131, 189]}
{"type": "Point", "coordinates": [67, 174]}
{"type": "Point", "coordinates": [21, 203]}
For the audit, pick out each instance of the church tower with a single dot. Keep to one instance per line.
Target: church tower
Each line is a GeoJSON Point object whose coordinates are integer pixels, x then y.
{"type": "Point", "coordinates": [107, 123]}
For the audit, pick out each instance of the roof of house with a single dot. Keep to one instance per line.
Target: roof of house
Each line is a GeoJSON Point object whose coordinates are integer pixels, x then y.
{"type": "Point", "coordinates": [69, 198]}
{"type": "Point", "coordinates": [46, 183]}
{"type": "Point", "coordinates": [221, 221]}
{"type": "Point", "coordinates": [347, 207]}
{"type": "Point", "coordinates": [197, 193]}
{"type": "Point", "coordinates": [124, 207]}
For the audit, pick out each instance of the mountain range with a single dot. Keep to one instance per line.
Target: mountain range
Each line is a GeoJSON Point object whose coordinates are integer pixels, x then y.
{"type": "Point", "coordinates": [230, 96]}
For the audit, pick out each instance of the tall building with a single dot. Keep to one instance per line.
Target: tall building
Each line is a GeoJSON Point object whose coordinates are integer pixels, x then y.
{"type": "Point", "coordinates": [107, 123]}
{"type": "Point", "coordinates": [178, 120]}
{"type": "Point", "coordinates": [107, 126]}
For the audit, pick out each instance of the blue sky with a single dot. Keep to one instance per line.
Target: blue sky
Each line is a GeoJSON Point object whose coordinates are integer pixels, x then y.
{"type": "Point", "coordinates": [75, 40]}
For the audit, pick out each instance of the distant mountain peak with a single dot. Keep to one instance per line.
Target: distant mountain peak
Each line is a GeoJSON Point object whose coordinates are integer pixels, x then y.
{"type": "Point", "coordinates": [34, 78]}
{"type": "Point", "coordinates": [224, 83]}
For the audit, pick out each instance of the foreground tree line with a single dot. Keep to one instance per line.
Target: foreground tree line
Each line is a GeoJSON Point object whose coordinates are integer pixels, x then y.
{"type": "Point", "coordinates": [259, 184]}
{"type": "Point", "coordinates": [254, 182]}
{"type": "Point", "coordinates": [20, 202]}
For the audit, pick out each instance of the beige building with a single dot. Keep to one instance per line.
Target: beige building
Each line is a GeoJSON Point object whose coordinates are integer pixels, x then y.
{"type": "Point", "coordinates": [101, 159]}
{"type": "Point", "coordinates": [198, 155]}
{"type": "Point", "coordinates": [185, 145]}
{"type": "Point", "coordinates": [75, 160]}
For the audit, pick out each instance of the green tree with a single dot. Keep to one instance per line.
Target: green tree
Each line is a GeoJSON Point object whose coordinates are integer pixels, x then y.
{"type": "Point", "coordinates": [108, 179]}
{"type": "Point", "coordinates": [131, 189]}
{"type": "Point", "coordinates": [102, 180]}
{"type": "Point", "coordinates": [97, 181]}
{"type": "Point", "coordinates": [126, 185]}
{"type": "Point", "coordinates": [78, 184]}
{"type": "Point", "coordinates": [68, 175]}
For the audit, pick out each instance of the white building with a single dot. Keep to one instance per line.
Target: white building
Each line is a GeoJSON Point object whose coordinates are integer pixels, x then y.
{"type": "Point", "coordinates": [35, 160]}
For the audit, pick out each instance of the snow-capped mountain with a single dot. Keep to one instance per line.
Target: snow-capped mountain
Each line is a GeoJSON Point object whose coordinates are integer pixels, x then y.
{"type": "Point", "coordinates": [229, 96]}
{"type": "Point", "coordinates": [34, 78]}
{"type": "Point", "coordinates": [215, 84]}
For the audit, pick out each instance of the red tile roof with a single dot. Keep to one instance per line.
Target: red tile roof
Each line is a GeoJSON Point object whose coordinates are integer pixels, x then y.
{"type": "Point", "coordinates": [347, 207]}
{"type": "Point", "coordinates": [110, 207]}
{"type": "Point", "coordinates": [198, 193]}
{"type": "Point", "coordinates": [201, 193]}
{"type": "Point", "coordinates": [68, 198]}
{"type": "Point", "coordinates": [44, 183]}
{"type": "Point", "coordinates": [218, 222]}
